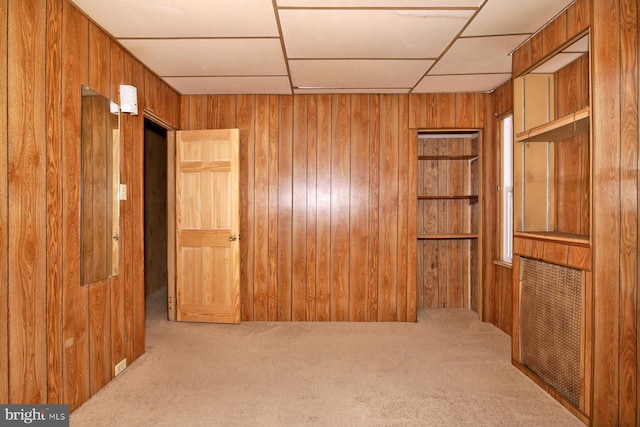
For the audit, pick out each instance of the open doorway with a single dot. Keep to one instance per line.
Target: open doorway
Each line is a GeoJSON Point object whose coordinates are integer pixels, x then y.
{"type": "Point", "coordinates": [155, 220]}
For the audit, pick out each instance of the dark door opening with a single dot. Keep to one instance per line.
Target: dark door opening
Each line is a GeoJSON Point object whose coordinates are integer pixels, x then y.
{"type": "Point", "coordinates": [155, 218]}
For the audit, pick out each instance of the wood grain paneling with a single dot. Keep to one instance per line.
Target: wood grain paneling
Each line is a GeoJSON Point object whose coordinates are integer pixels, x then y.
{"type": "Point", "coordinates": [554, 34]}
{"type": "Point", "coordinates": [344, 159]}
{"type": "Point", "coordinates": [4, 214]}
{"type": "Point", "coordinates": [340, 183]}
{"type": "Point", "coordinates": [615, 196]}
{"type": "Point", "coordinates": [537, 48]}
{"type": "Point", "coordinates": [127, 139]}
{"type": "Point", "coordinates": [629, 199]}
{"type": "Point", "coordinates": [260, 239]}
{"type": "Point", "coordinates": [374, 210]}
{"type": "Point", "coordinates": [606, 196]}
{"type": "Point", "coordinates": [272, 250]}
{"type": "Point", "coordinates": [75, 72]}
{"type": "Point", "coordinates": [285, 207]}
{"type": "Point", "coordinates": [26, 163]}
{"type": "Point", "coordinates": [246, 122]}
{"type": "Point", "coordinates": [99, 60]}
{"type": "Point", "coordinates": [569, 24]}
{"type": "Point", "coordinates": [521, 60]}
{"type": "Point", "coordinates": [312, 204]}
{"type": "Point", "coordinates": [137, 233]}
{"type": "Point", "coordinates": [100, 352]}
{"type": "Point", "coordinates": [404, 292]}
{"type": "Point", "coordinates": [54, 207]}
{"type": "Point", "coordinates": [359, 208]}
{"type": "Point", "coordinates": [299, 205]}
{"type": "Point", "coordinates": [327, 206]}
{"type": "Point", "coordinates": [151, 101]}
{"type": "Point", "coordinates": [57, 341]}
{"type": "Point", "coordinates": [578, 17]}
{"type": "Point", "coordinates": [388, 219]}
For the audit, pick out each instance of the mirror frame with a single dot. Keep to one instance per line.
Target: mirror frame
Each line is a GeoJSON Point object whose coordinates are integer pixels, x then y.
{"type": "Point", "coordinates": [99, 187]}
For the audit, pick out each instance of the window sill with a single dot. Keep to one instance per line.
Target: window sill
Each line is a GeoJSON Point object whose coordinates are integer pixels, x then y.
{"type": "Point", "coordinates": [503, 264]}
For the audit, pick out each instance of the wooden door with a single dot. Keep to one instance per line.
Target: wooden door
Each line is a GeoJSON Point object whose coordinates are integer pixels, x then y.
{"type": "Point", "coordinates": [207, 226]}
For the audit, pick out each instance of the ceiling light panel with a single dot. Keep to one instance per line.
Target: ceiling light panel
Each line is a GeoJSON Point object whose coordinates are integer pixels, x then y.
{"type": "Point", "coordinates": [466, 83]}
{"type": "Point", "coordinates": [478, 55]}
{"type": "Point", "coordinates": [405, 33]}
{"type": "Point", "coordinates": [363, 74]}
{"type": "Point", "coordinates": [183, 18]}
{"type": "Point", "coordinates": [210, 57]}
{"type": "Point", "coordinates": [513, 17]}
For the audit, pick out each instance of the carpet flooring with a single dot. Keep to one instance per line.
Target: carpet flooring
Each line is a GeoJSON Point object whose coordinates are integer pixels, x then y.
{"type": "Point", "coordinates": [448, 369]}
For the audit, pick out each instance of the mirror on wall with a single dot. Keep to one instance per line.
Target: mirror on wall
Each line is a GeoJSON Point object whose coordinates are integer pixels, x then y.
{"type": "Point", "coordinates": [100, 184]}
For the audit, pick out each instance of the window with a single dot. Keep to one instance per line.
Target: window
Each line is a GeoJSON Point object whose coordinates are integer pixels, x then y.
{"type": "Point", "coordinates": [506, 185]}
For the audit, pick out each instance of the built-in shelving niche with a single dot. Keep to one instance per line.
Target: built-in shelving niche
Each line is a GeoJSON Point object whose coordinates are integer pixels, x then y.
{"type": "Point", "coordinates": [448, 221]}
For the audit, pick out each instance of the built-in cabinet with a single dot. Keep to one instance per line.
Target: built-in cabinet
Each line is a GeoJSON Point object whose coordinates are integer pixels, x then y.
{"type": "Point", "coordinates": [553, 295]}
{"type": "Point", "coordinates": [447, 226]}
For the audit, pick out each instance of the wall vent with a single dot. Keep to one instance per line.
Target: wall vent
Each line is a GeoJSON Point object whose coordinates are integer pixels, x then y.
{"type": "Point", "coordinates": [549, 324]}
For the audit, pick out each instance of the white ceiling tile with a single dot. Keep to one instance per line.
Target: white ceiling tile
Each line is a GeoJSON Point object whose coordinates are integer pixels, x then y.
{"type": "Point", "coordinates": [357, 74]}
{"type": "Point", "coordinates": [557, 62]}
{"type": "Point", "coordinates": [380, 46]}
{"type": "Point", "coordinates": [468, 83]}
{"type": "Point", "coordinates": [317, 33]}
{"type": "Point", "coordinates": [278, 85]}
{"type": "Point", "coordinates": [183, 18]}
{"type": "Point", "coordinates": [351, 90]}
{"type": "Point", "coordinates": [210, 57]}
{"type": "Point", "coordinates": [379, 3]}
{"type": "Point", "coordinates": [513, 17]}
{"type": "Point", "coordinates": [478, 55]}
{"type": "Point", "coordinates": [580, 45]}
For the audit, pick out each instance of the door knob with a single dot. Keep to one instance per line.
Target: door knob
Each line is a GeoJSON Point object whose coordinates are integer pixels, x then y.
{"type": "Point", "coordinates": [233, 237]}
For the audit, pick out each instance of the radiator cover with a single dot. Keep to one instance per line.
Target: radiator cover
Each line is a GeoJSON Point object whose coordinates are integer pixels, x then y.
{"type": "Point", "coordinates": [549, 324]}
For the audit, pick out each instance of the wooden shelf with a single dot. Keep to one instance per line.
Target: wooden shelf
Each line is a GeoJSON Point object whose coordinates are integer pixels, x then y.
{"type": "Point", "coordinates": [449, 157]}
{"type": "Point", "coordinates": [446, 236]}
{"type": "Point", "coordinates": [565, 127]}
{"type": "Point", "coordinates": [553, 236]}
{"type": "Point", "coordinates": [463, 197]}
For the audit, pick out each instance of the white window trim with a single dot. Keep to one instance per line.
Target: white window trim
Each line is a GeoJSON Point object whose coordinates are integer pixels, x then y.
{"type": "Point", "coordinates": [506, 186]}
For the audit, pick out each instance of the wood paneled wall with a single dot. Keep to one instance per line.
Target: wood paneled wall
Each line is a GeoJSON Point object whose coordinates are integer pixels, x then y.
{"type": "Point", "coordinates": [324, 206]}
{"type": "Point", "coordinates": [572, 155]}
{"type": "Point", "coordinates": [327, 206]}
{"type": "Point", "coordinates": [615, 211]}
{"type": "Point", "coordinates": [4, 210]}
{"type": "Point", "coordinates": [569, 24]}
{"type": "Point", "coordinates": [496, 277]}
{"type": "Point", "coordinates": [60, 340]}
{"type": "Point", "coordinates": [615, 195]}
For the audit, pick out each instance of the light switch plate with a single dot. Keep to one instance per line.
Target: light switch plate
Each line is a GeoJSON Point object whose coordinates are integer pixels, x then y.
{"type": "Point", "coordinates": [123, 191]}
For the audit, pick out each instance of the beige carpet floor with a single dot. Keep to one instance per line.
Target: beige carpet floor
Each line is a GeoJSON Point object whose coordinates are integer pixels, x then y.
{"type": "Point", "coordinates": [448, 369]}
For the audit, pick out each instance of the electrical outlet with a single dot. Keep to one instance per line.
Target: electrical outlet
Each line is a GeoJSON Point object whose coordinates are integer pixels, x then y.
{"type": "Point", "coordinates": [120, 366]}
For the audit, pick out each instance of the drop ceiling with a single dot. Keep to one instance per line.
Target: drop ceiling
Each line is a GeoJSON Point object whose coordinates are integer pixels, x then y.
{"type": "Point", "coordinates": [324, 46]}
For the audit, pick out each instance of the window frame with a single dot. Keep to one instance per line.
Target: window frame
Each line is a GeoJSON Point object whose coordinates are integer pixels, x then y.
{"type": "Point", "coordinates": [505, 188]}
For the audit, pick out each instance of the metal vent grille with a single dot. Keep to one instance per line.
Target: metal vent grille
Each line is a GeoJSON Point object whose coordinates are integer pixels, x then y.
{"type": "Point", "coordinates": [549, 324]}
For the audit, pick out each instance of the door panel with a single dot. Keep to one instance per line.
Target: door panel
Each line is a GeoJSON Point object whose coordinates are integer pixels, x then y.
{"type": "Point", "coordinates": [207, 221]}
